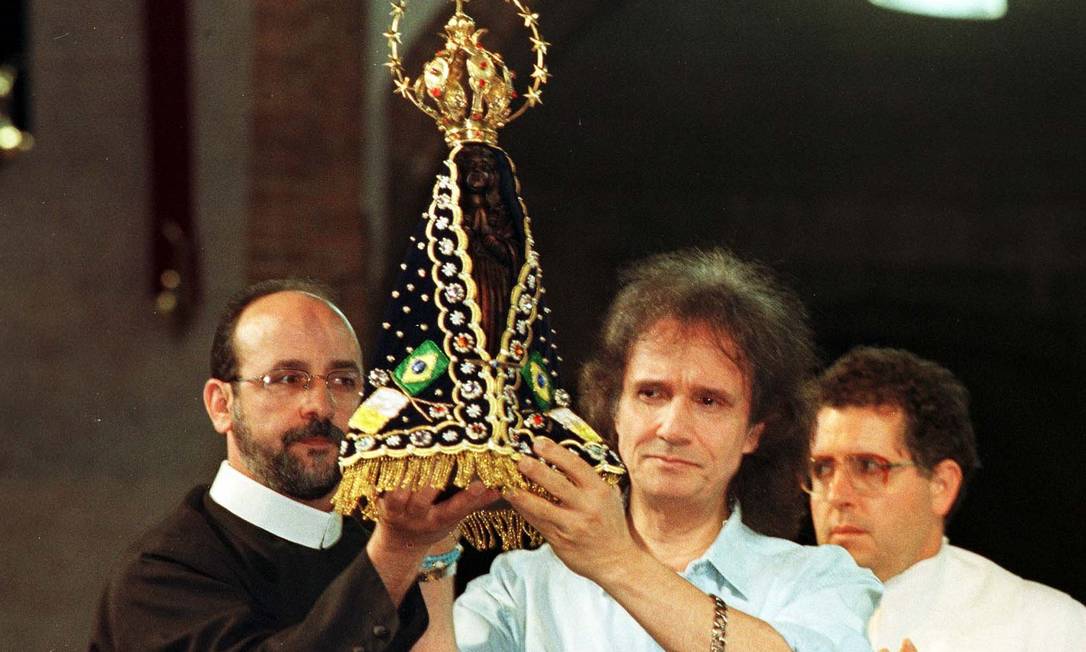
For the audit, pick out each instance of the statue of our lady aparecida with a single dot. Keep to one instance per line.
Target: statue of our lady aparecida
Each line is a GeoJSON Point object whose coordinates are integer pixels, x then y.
{"type": "Point", "coordinates": [465, 373]}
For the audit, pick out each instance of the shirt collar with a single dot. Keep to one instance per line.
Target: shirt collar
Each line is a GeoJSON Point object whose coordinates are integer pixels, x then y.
{"type": "Point", "coordinates": [729, 554]}
{"type": "Point", "coordinates": [287, 519]}
{"type": "Point", "coordinates": [928, 567]}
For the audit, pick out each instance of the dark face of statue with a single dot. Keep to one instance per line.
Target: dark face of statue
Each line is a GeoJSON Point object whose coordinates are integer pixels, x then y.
{"type": "Point", "coordinates": [479, 168]}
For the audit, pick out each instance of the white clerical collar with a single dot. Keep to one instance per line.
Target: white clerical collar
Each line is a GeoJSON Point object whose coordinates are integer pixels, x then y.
{"type": "Point", "coordinates": [284, 517]}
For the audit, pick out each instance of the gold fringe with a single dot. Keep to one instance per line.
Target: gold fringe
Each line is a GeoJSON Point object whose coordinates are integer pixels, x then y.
{"type": "Point", "coordinates": [363, 481]}
{"type": "Point", "coordinates": [486, 529]}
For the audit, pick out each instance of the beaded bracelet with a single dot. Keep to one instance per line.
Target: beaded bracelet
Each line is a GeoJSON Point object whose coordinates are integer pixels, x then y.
{"type": "Point", "coordinates": [720, 625]}
{"type": "Point", "coordinates": [435, 567]}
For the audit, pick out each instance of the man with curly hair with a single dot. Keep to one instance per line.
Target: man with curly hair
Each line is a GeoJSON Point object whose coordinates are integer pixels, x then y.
{"type": "Point", "coordinates": [699, 381]}
{"type": "Point", "coordinates": [892, 454]}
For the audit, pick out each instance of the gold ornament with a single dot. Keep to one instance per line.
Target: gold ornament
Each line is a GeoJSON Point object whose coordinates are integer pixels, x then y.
{"type": "Point", "coordinates": [466, 88]}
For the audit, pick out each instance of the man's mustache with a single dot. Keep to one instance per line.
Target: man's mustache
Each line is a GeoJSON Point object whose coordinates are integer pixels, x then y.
{"type": "Point", "coordinates": [323, 429]}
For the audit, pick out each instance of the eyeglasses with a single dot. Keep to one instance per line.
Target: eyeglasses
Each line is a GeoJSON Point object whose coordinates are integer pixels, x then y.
{"type": "Point", "coordinates": [868, 474]}
{"type": "Point", "coordinates": [342, 383]}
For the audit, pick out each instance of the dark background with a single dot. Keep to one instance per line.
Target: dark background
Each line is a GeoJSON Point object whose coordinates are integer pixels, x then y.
{"type": "Point", "coordinates": [13, 27]}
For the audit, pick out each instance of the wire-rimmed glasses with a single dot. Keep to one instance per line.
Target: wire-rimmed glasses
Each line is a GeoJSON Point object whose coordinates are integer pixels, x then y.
{"type": "Point", "coordinates": [867, 473]}
{"type": "Point", "coordinates": [342, 383]}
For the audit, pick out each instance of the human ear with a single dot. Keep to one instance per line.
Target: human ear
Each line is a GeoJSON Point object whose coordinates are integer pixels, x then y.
{"type": "Point", "coordinates": [753, 438]}
{"type": "Point", "coordinates": [218, 399]}
{"type": "Point", "coordinates": [946, 482]}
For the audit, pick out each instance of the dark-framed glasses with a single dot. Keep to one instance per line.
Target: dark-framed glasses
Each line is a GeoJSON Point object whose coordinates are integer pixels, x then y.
{"type": "Point", "coordinates": [342, 383]}
{"type": "Point", "coordinates": [868, 474]}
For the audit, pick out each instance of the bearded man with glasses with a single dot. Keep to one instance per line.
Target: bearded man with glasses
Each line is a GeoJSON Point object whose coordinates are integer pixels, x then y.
{"type": "Point", "coordinates": [893, 451]}
{"type": "Point", "coordinates": [258, 560]}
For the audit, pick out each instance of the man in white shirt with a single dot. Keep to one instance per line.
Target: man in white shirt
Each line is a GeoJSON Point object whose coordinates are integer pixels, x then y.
{"type": "Point", "coordinates": [259, 560]}
{"type": "Point", "coordinates": [893, 450]}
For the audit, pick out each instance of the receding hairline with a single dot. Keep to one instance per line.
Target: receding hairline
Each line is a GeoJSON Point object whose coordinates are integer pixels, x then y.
{"type": "Point", "coordinates": [316, 297]}
{"type": "Point", "coordinates": [333, 308]}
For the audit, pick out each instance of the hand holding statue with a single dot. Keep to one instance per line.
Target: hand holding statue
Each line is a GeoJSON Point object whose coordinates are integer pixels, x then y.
{"type": "Point", "coordinates": [411, 519]}
{"type": "Point", "coordinates": [587, 528]}
{"type": "Point", "coordinates": [410, 523]}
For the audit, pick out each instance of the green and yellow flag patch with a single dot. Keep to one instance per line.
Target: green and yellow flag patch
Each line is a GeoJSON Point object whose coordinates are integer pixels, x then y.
{"type": "Point", "coordinates": [425, 364]}
{"type": "Point", "coordinates": [539, 380]}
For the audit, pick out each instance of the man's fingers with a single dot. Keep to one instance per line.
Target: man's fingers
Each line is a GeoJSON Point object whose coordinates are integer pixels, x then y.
{"type": "Point", "coordinates": [421, 499]}
{"type": "Point", "coordinates": [907, 646]}
{"type": "Point", "coordinates": [412, 517]}
{"type": "Point", "coordinates": [540, 512]}
{"type": "Point", "coordinates": [554, 482]}
{"type": "Point", "coordinates": [579, 473]}
{"type": "Point", "coordinates": [394, 502]}
{"type": "Point", "coordinates": [406, 505]}
{"type": "Point", "coordinates": [475, 497]}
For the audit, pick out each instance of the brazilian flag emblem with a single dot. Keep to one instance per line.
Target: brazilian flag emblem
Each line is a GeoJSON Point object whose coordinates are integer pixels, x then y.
{"type": "Point", "coordinates": [539, 379]}
{"type": "Point", "coordinates": [425, 364]}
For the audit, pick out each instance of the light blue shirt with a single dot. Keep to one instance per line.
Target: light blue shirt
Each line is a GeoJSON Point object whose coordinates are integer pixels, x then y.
{"type": "Point", "coordinates": [817, 598]}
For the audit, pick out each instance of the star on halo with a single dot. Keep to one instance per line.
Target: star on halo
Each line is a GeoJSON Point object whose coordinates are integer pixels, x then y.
{"type": "Point", "coordinates": [539, 45]}
{"type": "Point", "coordinates": [529, 18]}
{"type": "Point", "coordinates": [540, 73]}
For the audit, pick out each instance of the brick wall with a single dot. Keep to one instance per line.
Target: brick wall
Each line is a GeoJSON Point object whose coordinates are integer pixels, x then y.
{"type": "Point", "coordinates": [304, 212]}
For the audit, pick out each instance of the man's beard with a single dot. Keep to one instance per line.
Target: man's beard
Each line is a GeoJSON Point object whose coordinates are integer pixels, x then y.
{"type": "Point", "coordinates": [285, 473]}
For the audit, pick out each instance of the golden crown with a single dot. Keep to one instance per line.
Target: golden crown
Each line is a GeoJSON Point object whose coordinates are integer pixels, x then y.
{"type": "Point", "coordinates": [466, 88]}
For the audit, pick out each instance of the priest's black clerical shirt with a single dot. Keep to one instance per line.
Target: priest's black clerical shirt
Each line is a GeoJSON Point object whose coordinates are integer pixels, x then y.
{"type": "Point", "coordinates": [206, 579]}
